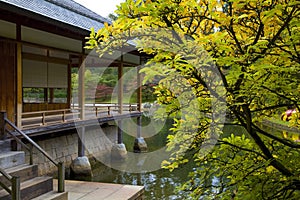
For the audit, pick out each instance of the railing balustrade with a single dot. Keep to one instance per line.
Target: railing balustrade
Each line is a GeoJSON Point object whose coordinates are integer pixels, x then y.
{"type": "Point", "coordinates": [15, 181]}
{"type": "Point", "coordinates": [50, 117]}
{"type": "Point", "coordinates": [14, 191]}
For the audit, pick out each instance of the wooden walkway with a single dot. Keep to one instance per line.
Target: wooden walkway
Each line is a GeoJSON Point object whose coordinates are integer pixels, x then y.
{"type": "Point", "coordinates": [82, 190]}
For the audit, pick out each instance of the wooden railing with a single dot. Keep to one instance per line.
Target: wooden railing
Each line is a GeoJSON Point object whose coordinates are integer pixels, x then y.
{"type": "Point", "coordinates": [12, 130]}
{"type": "Point", "coordinates": [15, 185]}
{"type": "Point", "coordinates": [50, 117]}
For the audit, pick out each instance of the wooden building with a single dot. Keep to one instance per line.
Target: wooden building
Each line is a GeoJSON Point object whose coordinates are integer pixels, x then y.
{"type": "Point", "coordinates": [40, 42]}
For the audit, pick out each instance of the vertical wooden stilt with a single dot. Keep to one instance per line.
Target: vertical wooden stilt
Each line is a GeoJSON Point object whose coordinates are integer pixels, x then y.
{"type": "Point", "coordinates": [81, 91]}
{"type": "Point", "coordinates": [139, 127]}
{"type": "Point", "coordinates": [120, 100]}
{"type": "Point", "coordinates": [120, 86]}
{"type": "Point", "coordinates": [139, 90]}
{"type": "Point", "coordinates": [81, 140]}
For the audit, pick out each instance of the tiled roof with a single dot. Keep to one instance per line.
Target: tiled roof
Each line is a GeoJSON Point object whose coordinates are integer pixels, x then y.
{"type": "Point", "coordinates": [66, 11]}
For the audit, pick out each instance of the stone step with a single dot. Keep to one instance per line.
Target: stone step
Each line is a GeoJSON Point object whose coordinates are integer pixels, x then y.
{"type": "Point", "coordinates": [11, 159]}
{"type": "Point", "coordinates": [53, 195]}
{"type": "Point", "coordinates": [25, 172]}
{"type": "Point", "coordinates": [31, 188]}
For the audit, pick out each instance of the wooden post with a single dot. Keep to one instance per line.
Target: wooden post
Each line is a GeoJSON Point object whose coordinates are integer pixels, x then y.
{"type": "Point", "coordinates": [120, 132]}
{"type": "Point", "coordinates": [69, 95]}
{"type": "Point", "coordinates": [81, 140]}
{"type": "Point", "coordinates": [139, 101]}
{"type": "Point", "coordinates": [120, 100]}
{"type": "Point", "coordinates": [81, 90]}
{"type": "Point", "coordinates": [3, 116]}
{"type": "Point", "coordinates": [139, 90]}
{"type": "Point", "coordinates": [61, 177]}
{"type": "Point", "coordinates": [120, 86]}
{"type": "Point", "coordinates": [139, 127]}
{"type": "Point", "coordinates": [19, 98]}
{"type": "Point", "coordinates": [15, 188]}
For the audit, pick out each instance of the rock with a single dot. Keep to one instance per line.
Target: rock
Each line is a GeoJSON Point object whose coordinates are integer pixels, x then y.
{"type": "Point", "coordinates": [140, 145]}
{"type": "Point", "coordinates": [81, 169]}
{"type": "Point", "coordinates": [118, 152]}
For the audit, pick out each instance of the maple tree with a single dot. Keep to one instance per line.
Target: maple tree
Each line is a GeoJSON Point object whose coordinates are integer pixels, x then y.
{"type": "Point", "coordinates": [213, 56]}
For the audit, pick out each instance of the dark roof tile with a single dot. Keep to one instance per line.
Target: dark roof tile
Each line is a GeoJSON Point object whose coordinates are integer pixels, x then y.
{"type": "Point", "coordinates": [66, 11]}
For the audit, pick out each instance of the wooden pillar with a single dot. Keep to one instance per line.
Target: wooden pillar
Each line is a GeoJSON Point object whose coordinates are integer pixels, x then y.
{"type": "Point", "coordinates": [139, 90]}
{"type": "Point", "coordinates": [81, 101]}
{"type": "Point", "coordinates": [81, 91]}
{"type": "Point", "coordinates": [81, 141]}
{"type": "Point", "coordinates": [139, 101]}
{"type": "Point", "coordinates": [120, 132]}
{"type": "Point", "coordinates": [69, 89]}
{"type": "Point", "coordinates": [19, 85]}
{"type": "Point", "coordinates": [120, 100]}
{"type": "Point", "coordinates": [139, 127]}
{"type": "Point", "coordinates": [140, 144]}
{"type": "Point", "coordinates": [3, 116]}
{"type": "Point", "coordinates": [19, 80]}
{"type": "Point", "coordinates": [120, 86]}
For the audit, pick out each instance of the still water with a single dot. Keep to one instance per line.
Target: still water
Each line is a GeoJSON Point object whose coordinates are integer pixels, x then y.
{"type": "Point", "coordinates": [160, 184]}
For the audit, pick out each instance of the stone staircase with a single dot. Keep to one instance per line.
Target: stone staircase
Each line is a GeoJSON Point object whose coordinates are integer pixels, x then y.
{"type": "Point", "coordinates": [33, 186]}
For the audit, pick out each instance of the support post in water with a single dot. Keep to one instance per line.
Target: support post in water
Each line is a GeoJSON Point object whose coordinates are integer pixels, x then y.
{"type": "Point", "coordinates": [81, 140]}
{"type": "Point", "coordinates": [140, 144]}
{"type": "Point", "coordinates": [119, 151]}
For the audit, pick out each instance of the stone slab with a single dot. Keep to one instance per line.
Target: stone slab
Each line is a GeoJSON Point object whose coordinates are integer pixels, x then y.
{"type": "Point", "coordinates": [105, 191]}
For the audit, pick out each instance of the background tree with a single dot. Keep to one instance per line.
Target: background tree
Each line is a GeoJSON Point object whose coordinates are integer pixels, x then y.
{"type": "Point", "coordinates": [254, 46]}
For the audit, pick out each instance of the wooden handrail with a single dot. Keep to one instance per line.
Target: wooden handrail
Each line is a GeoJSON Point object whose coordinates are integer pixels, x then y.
{"type": "Point", "coordinates": [43, 118]}
{"type": "Point", "coordinates": [59, 165]}
{"type": "Point", "coordinates": [15, 185]}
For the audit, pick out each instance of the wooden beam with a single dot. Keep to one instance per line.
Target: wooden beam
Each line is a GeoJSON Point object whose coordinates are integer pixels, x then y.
{"type": "Point", "coordinates": [45, 58]}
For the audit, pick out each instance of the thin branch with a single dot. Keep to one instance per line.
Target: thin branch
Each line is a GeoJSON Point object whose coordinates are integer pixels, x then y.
{"type": "Point", "coordinates": [276, 36]}
{"type": "Point", "coordinates": [242, 148]}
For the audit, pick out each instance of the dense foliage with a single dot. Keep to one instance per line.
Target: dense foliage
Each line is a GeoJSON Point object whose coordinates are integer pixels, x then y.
{"type": "Point", "coordinates": [212, 56]}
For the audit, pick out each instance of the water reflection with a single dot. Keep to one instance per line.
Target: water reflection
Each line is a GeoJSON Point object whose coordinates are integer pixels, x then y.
{"type": "Point", "coordinates": [160, 184]}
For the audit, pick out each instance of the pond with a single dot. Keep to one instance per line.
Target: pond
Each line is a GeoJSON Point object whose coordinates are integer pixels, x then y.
{"type": "Point", "coordinates": [161, 183]}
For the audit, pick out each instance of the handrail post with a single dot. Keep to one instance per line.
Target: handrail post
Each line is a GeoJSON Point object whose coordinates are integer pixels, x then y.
{"type": "Point", "coordinates": [61, 177]}
{"type": "Point", "coordinates": [15, 188]}
{"type": "Point", "coordinates": [31, 155]}
{"type": "Point", "coordinates": [64, 116]}
{"type": "Point", "coordinates": [43, 118]}
{"type": "Point", "coordinates": [108, 111]}
{"type": "Point", "coordinates": [3, 116]}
